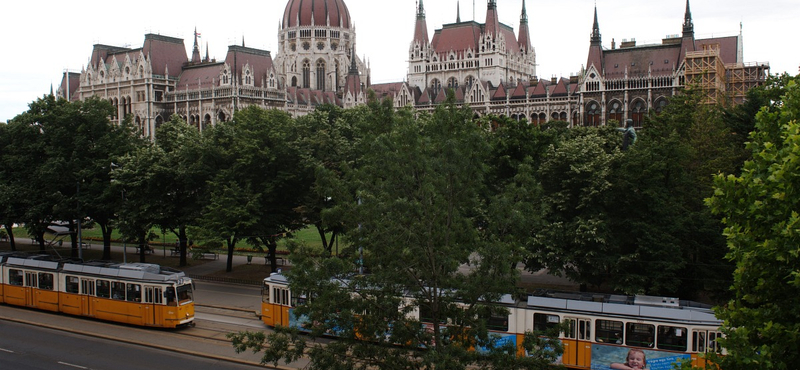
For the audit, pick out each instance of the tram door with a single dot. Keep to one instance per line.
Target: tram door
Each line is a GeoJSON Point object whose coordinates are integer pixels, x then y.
{"type": "Point", "coordinates": [577, 342]}
{"type": "Point", "coordinates": [87, 297]}
{"type": "Point", "coordinates": [152, 299]}
{"type": "Point", "coordinates": [31, 284]}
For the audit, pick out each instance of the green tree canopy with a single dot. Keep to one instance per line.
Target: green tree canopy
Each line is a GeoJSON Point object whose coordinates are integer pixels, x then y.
{"type": "Point", "coordinates": [760, 210]}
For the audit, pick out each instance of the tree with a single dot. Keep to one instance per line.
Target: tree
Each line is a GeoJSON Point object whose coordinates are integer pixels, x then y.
{"type": "Point", "coordinates": [760, 210]}
{"type": "Point", "coordinates": [415, 206]}
{"type": "Point", "coordinates": [20, 157]}
{"type": "Point", "coordinates": [260, 180]}
{"type": "Point", "coordinates": [182, 178]}
{"type": "Point", "coordinates": [577, 179]}
{"type": "Point", "coordinates": [78, 145]}
{"type": "Point", "coordinates": [135, 178]}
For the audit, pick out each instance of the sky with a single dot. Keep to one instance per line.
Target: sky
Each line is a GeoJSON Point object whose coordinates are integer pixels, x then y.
{"type": "Point", "coordinates": [43, 38]}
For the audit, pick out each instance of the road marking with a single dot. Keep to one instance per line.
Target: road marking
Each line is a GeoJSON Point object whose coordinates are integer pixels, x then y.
{"type": "Point", "coordinates": [6, 350]}
{"type": "Point", "coordinates": [72, 365]}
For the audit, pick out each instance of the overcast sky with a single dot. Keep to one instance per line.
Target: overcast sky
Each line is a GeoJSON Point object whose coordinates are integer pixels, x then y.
{"type": "Point", "coordinates": [40, 39]}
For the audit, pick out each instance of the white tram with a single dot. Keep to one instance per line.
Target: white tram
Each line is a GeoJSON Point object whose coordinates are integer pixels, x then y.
{"type": "Point", "coordinates": [602, 328]}
{"type": "Point", "coordinates": [131, 293]}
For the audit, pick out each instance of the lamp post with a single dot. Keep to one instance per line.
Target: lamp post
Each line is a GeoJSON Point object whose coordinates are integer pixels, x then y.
{"type": "Point", "coordinates": [80, 216]}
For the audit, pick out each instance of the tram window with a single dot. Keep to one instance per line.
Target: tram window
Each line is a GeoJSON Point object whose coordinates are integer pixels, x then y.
{"type": "Point", "coordinates": [672, 338]}
{"type": "Point", "coordinates": [265, 293]}
{"type": "Point", "coordinates": [497, 322]}
{"type": "Point", "coordinates": [608, 331]}
{"type": "Point", "coordinates": [640, 335]}
{"type": "Point", "coordinates": [72, 284]}
{"type": "Point", "coordinates": [542, 322]}
{"type": "Point", "coordinates": [31, 279]}
{"type": "Point", "coordinates": [698, 341]}
{"type": "Point", "coordinates": [45, 281]}
{"type": "Point", "coordinates": [712, 342]}
{"type": "Point", "coordinates": [118, 290]}
{"type": "Point", "coordinates": [103, 288]}
{"type": "Point", "coordinates": [426, 314]}
{"type": "Point", "coordinates": [134, 293]}
{"type": "Point", "coordinates": [15, 277]}
{"type": "Point", "coordinates": [170, 296]}
{"type": "Point", "coordinates": [184, 293]}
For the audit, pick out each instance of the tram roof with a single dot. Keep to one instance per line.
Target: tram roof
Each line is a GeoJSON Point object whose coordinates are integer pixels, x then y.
{"type": "Point", "coordinates": [644, 307]}
{"type": "Point", "coordinates": [142, 271]}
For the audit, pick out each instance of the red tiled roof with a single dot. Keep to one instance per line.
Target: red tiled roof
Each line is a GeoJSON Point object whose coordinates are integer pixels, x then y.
{"type": "Point", "coordinates": [540, 89]}
{"type": "Point", "coordinates": [203, 76]}
{"type": "Point", "coordinates": [260, 62]}
{"type": "Point", "coordinates": [660, 60]}
{"type": "Point", "coordinates": [457, 37]}
{"type": "Point", "coordinates": [164, 53]}
{"type": "Point", "coordinates": [519, 92]}
{"type": "Point", "coordinates": [728, 47]}
{"type": "Point", "coordinates": [500, 93]}
{"type": "Point", "coordinates": [322, 10]}
{"type": "Point", "coordinates": [561, 87]}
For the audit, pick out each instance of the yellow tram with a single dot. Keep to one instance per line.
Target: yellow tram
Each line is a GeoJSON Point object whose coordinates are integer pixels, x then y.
{"type": "Point", "coordinates": [602, 329]}
{"type": "Point", "coordinates": [131, 293]}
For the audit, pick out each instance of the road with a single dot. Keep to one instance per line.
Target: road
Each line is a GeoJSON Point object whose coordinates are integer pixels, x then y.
{"type": "Point", "coordinates": [25, 347]}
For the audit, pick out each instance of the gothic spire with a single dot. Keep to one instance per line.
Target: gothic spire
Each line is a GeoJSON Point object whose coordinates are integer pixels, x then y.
{"type": "Point", "coordinates": [353, 65]}
{"type": "Point", "coordinates": [196, 50]}
{"type": "Point", "coordinates": [596, 39]}
{"type": "Point", "coordinates": [688, 25]}
{"type": "Point", "coordinates": [421, 27]}
{"type": "Point", "coordinates": [458, 12]}
{"type": "Point", "coordinates": [492, 21]}
{"type": "Point", "coordinates": [524, 18]}
{"type": "Point", "coordinates": [524, 34]}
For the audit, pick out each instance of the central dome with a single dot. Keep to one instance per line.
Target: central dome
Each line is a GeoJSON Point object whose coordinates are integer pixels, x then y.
{"type": "Point", "coordinates": [299, 13]}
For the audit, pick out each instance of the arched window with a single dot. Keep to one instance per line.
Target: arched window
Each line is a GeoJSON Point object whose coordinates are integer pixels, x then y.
{"type": "Point", "coordinates": [321, 75]}
{"type": "Point", "coordinates": [336, 78]}
{"type": "Point", "coordinates": [615, 111]}
{"type": "Point", "coordinates": [206, 122]}
{"type": "Point", "coordinates": [638, 109]}
{"type": "Point", "coordinates": [436, 84]}
{"type": "Point", "coordinates": [592, 114]}
{"type": "Point", "coordinates": [660, 105]}
{"type": "Point", "coordinates": [306, 74]}
{"type": "Point", "coordinates": [294, 81]}
{"type": "Point", "coordinates": [452, 83]}
{"type": "Point", "coordinates": [221, 117]}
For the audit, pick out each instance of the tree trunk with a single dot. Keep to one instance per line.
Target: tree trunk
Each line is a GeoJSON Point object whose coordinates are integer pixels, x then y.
{"type": "Point", "coordinates": [182, 246]}
{"type": "Point", "coordinates": [229, 264]}
{"type": "Point", "coordinates": [325, 244]}
{"type": "Point", "coordinates": [142, 246]}
{"type": "Point", "coordinates": [10, 232]}
{"type": "Point", "coordinates": [107, 230]}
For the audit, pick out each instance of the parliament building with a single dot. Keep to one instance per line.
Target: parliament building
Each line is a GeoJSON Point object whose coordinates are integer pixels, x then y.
{"type": "Point", "coordinates": [489, 66]}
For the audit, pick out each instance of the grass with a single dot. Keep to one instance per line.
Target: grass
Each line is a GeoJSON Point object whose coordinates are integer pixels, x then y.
{"type": "Point", "coordinates": [308, 236]}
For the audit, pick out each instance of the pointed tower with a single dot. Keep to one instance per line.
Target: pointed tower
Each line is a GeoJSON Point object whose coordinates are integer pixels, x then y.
{"type": "Point", "coordinates": [419, 51]}
{"type": "Point", "coordinates": [196, 50]}
{"type": "Point", "coordinates": [352, 87]}
{"type": "Point", "coordinates": [207, 58]}
{"type": "Point", "coordinates": [421, 28]}
{"type": "Point", "coordinates": [492, 21]}
{"type": "Point", "coordinates": [458, 12]}
{"type": "Point", "coordinates": [524, 34]}
{"type": "Point", "coordinates": [595, 46]}
{"type": "Point", "coordinates": [687, 45]}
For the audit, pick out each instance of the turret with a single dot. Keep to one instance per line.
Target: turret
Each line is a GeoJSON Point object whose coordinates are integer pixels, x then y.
{"type": "Point", "coordinates": [524, 34]}
{"type": "Point", "coordinates": [595, 46]}
{"type": "Point", "coordinates": [492, 21]}
{"type": "Point", "coordinates": [196, 50]}
{"type": "Point", "coordinates": [421, 28]}
{"type": "Point", "coordinates": [687, 44]}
